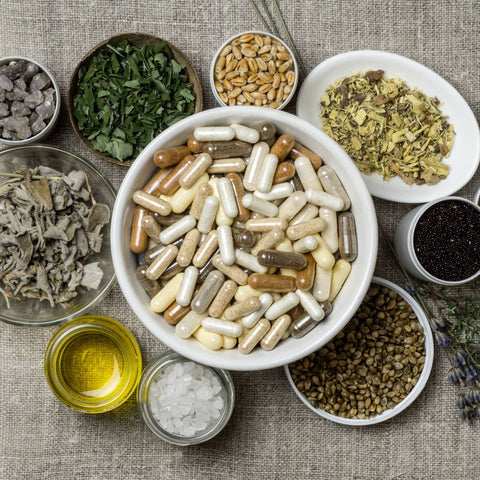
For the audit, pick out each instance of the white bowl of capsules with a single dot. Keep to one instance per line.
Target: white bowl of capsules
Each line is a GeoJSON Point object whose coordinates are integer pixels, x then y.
{"type": "Point", "coordinates": [189, 306]}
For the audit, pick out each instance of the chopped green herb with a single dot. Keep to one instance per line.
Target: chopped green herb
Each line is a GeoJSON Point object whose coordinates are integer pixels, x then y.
{"type": "Point", "coordinates": [127, 95]}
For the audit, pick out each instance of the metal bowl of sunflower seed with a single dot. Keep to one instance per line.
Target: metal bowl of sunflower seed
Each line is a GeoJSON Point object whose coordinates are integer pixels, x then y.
{"type": "Point", "coordinates": [55, 261]}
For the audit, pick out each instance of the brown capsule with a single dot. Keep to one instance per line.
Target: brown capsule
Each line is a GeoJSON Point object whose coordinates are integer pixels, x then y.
{"type": "Point", "coordinates": [301, 325]}
{"type": "Point", "coordinates": [227, 165]}
{"type": "Point", "coordinates": [151, 227]}
{"type": "Point", "coordinates": [277, 330]}
{"type": "Point", "coordinates": [243, 308]}
{"type": "Point", "coordinates": [254, 336]}
{"type": "Point", "coordinates": [152, 187]}
{"type": "Point", "coordinates": [266, 130]}
{"type": "Point", "coordinates": [284, 172]}
{"type": "Point", "coordinates": [269, 240]}
{"type": "Point", "coordinates": [299, 150]}
{"type": "Point", "coordinates": [166, 221]}
{"type": "Point", "coordinates": [169, 184]}
{"type": "Point", "coordinates": [244, 238]}
{"type": "Point", "coordinates": [222, 299]}
{"type": "Point", "coordinates": [306, 276]}
{"type": "Point", "coordinates": [170, 156]}
{"type": "Point", "coordinates": [272, 283]}
{"type": "Point", "coordinates": [277, 258]}
{"type": "Point", "coordinates": [204, 191]}
{"type": "Point", "coordinates": [194, 145]}
{"type": "Point", "coordinates": [239, 192]}
{"type": "Point", "coordinates": [296, 311]}
{"type": "Point", "coordinates": [152, 287]}
{"type": "Point", "coordinates": [189, 245]}
{"type": "Point", "coordinates": [161, 262]}
{"type": "Point", "coordinates": [232, 271]}
{"type": "Point", "coordinates": [171, 271]}
{"type": "Point", "coordinates": [347, 236]}
{"type": "Point", "coordinates": [281, 148]}
{"type": "Point", "coordinates": [232, 148]}
{"type": "Point", "coordinates": [174, 313]}
{"type": "Point", "coordinates": [138, 236]}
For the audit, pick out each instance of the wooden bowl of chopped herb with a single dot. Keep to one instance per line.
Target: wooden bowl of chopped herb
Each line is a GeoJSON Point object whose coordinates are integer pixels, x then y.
{"type": "Point", "coordinates": [127, 90]}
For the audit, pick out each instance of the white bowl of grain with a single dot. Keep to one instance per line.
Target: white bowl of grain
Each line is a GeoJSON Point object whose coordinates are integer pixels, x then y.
{"type": "Point", "coordinates": [254, 68]}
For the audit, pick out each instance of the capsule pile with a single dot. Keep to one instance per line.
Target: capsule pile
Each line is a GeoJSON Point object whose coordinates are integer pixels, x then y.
{"type": "Point", "coordinates": [241, 215]}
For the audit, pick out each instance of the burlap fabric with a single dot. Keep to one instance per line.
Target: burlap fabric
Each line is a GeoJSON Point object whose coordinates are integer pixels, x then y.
{"type": "Point", "coordinates": [271, 434]}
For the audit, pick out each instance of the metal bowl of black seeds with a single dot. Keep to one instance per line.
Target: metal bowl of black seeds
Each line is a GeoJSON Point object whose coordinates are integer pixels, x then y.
{"type": "Point", "coordinates": [55, 260]}
{"type": "Point", "coordinates": [128, 89]}
{"type": "Point", "coordinates": [375, 367]}
{"type": "Point", "coordinates": [29, 101]}
{"type": "Point", "coordinates": [440, 241]}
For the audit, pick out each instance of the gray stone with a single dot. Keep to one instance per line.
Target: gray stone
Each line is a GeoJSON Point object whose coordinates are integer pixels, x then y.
{"type": "Point", "coordinates": [47, 108]}
{"type": "Point", "coordinates": [2, 94]}
{"type": "Point", "coordinates": [39, 82]}
{"type": "Point", "coordinates": [19, 109]}
{"type": "Point", "coordinates": [6, 83]}
{"type": "Point", "coordinates": [16, 94]}
{"type": "Point", "coordinates": [4, 110]}
{"type": "Point", "coordinates": [30, 71]}
{"type": "Point", "coordinates": [37, 125]}
{"type": "Point", "coordinates": [19, 125]}
{"type": "Point", "coordinates": [34, 99]}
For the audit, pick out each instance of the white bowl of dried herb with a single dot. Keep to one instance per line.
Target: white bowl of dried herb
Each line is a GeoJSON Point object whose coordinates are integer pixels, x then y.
{"type": "Point", "coordinates": [55, 261]}
{"type": "Point", "coordinates": [411, 134]}
{"type": "Point", "coordinates": [375, 367]}
{"type": "Point", "coordinates": [127, 90]}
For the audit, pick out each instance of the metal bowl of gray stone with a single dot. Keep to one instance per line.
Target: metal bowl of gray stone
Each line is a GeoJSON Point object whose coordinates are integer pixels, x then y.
{"type": "Point", "coordinates": [29, 101]}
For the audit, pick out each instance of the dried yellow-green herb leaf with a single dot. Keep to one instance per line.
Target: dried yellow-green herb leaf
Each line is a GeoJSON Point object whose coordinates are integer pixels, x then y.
{"type": "Point", "coordinates": [388, 128]}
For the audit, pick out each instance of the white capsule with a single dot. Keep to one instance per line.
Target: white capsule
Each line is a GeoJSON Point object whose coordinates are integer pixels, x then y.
{"type": "Point", "coordinates": [257, 155]}
{"type": "Point", "coordinates": [246, 134]}
{"type": "Point", "coordinates": [305, 244]}
{"type": "Point", "coordinates": [221, 218]}
{"type": "Point", "coordinates": [225, 243]}
{"type": "Point", "coordinates": [185, 292]}
{"type": "Point", "coordinates": [227, 197]}
{"type": "Point", "coordinates": [306, 173]}
{"type": "Point", "coordinates": [214, 134]}
{"type": "Point", "coordinates": [249, 261]}
{"type": "Point", "coordinates": [286, 303]}
{"type": "Point", "coordinates": [323, 199]}
{"type": "Point", "coordinates": [311, 306]}
{"type": "Point", "coordinates": [331, 183]}
{"type": "Point", "coordinates": [178, 229]}
{"type": "Point", "coordinates": [250, 320]}
{"type": "Point", "coordinates": [188, 324]}
{"type": "Point", "coordinates": [259, 205]}
{"type": "Point", "coordinates": [223, 327]}
{"type": "Point", "coordinates": [207, 217]}
{"type": "Point", "coordinates": [321, 284]}
{"type": "Point", "coordinates": [292, 205]}
{"type": "Point", "coordinates": [279, 191]}
{"type": "Point", "coordinates": [267, 172]}
{"type": "Point", "coordinates": [308, 212]}
{"type": "Point", "coordinates": [330, 233]}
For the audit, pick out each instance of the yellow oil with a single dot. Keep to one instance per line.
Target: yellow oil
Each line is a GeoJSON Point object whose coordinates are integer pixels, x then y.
{"type": "Point", "coordinates": [92, 365]}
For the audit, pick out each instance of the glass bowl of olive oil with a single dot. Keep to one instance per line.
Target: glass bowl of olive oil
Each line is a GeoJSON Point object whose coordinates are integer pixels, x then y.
{"type": "Point", "coordinates": [93, 364]}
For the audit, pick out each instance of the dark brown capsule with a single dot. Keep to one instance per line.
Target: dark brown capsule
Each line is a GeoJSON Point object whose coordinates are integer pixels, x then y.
{"type": "Point", "coordinates": [272, 283]}
{"type": "Point", "coordinates": [169, 184]}
{"type": "Point", "coordinates": [171, 271]}
{"type": "Point", "coordinates": [281, 148]}
{"type": "Point", "coordinates": [299, 150]}
{"type": "Point", "coordinates": [306, 276]}
{"type": "Point", "coordinates": [284, 172]}
{"type": "Point", "coordinates": [152, 187]}
{"type": "Point", "coordinates": [194, 145]}
{"type": "Point", "coordinates": [232, 148]}
{"type": "Point", "coordinates": [277, 258]}
{"type": "Point", "coordinates": [168, 220]}
{"type": "Point", "coordinates": [170, 156]}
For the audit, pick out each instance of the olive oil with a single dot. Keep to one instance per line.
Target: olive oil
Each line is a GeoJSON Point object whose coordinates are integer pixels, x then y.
{"type": "Point", "coordinates": [92, 365]}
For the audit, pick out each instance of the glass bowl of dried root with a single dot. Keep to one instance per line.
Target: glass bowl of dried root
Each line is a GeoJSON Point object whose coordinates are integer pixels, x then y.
{"type": "Point", "coordinates": [375, 367]}
{"type": "Point", "coordinates": [55, 261]}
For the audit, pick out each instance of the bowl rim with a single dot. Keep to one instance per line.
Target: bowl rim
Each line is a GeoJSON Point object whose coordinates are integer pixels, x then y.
{"type": "Point", "coordinates": [416, 390]}
{"type": "Point", "coordinates": [211, 75]}
{"type": "Point", "coordinates": [113, 40]}
{"type": "Point", "coordinates": [354, 61]}
{"type": "Point", "coordinates": [58, 100]}
{"type": "Point", "coordinates": [121, 258]}
{"type": "Point", "coordinates": [102, 293]}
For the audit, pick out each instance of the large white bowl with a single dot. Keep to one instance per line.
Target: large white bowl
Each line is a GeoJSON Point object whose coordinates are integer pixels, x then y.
{"type": "Point", "coordinates": [345, 304]}
{"type": "Point", "coordinates": [465, 154]}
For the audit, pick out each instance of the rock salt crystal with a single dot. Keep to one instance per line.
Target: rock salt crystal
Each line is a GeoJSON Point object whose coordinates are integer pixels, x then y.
{"type": "Point", "coordinates": [186, 398]}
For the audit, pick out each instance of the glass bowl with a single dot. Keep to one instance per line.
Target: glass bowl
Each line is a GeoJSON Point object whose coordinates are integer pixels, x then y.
{"type": "Point", "coordinates": [53, 121]}
{"type": "Point", "coordinates": [150, 375]}
{"type": "Point", "coordinates": [31, 311]}
{"type": "Point", "coordinates": [93, 364]}
{"type": "Point", "coordinates": [414, 392]}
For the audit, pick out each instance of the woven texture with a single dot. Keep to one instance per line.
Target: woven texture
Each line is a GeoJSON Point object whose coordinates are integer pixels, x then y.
{"type": "Point", "coordinates": [271, 434]}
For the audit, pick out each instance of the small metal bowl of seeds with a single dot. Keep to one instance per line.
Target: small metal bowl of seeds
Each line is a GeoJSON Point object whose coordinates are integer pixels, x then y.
{"type": "Point", "coordinates": [375, 367]}
{"type": "Point", "coordinates": [254, 68]}
{"type": "Point", "coordinates": [29, 101]}
{"type": "Point", "coordinates": [55, 261]}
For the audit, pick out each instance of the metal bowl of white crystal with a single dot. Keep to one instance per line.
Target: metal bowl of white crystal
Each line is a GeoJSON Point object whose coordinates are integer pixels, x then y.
{"type": "Point", "coordinates": [183, 402]}
{"type": "Point", "coordinates": [14, 307]}
{"type": "Point", "coordinates": [19, 99]}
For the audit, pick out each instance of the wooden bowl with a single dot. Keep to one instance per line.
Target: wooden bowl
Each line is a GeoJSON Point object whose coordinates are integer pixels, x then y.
{"type": "Point", "coordinates": [136, 39]}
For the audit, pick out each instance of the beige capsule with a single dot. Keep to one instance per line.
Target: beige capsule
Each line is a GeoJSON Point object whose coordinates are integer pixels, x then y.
{"type": "Point", "coordinates": [206, 250]}
{"type": "Point", "coordinates": [241, 309]}
{"type": "Point", "coordinates": [269, 240]}
{"type": "Point", "coordinates": [254, 336]}
{"type": "Point", "coordinates": [222, 299]}
{"type": "Point", "coordinates": [161, 262]}
{"type": "Point", "coordinates": [188, 247]}
{"type": "Point", "coordinates": [300, 230]}
{"type": "Point", "coordinates": [232, 271]}
{"type": "Point", "coordinates": [151, 227]}
{"type": "Point", "coordinates": [195, 170]}
{"type": "Point", "coordinates": [278, 329]}
{"type": "Point", "coordinates": [203, 192]}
